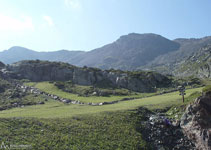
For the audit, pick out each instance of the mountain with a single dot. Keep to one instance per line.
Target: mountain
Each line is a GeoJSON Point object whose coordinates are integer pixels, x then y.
{"type": "Point", "coordinates": [168, 62]}
{"type": "Point", "coordinates": [198, 64]}
{"type": "Point", "coordinates": [128, 52]}
{"type": "Point", "coordinates": [17, 53]}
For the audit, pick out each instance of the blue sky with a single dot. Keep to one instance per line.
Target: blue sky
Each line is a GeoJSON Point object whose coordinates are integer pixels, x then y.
{"type": "Point", "coordinates": [48, 25]}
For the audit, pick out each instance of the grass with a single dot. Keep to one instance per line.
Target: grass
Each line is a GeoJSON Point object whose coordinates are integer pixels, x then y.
{"type": "Point", "coordinates": [54, 109]}
{"type": "Point", "coordinates": [52, 89]}
{"type": "Point", "coordinates": [105, 131]}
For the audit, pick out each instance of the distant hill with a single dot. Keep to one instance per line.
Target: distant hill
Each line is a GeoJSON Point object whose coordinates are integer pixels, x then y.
{"type": "Point", "coordinates": [18, 53]}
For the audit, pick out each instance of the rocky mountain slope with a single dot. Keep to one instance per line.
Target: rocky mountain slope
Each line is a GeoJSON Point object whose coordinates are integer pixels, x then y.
{"type": "Point", "coordinates": [57, 71]}
{"type": "Point", "coordinates": [168, 63]}
{"type": "Point", "coordinates": [198, 64]}
{"type": "Point", "coordinates": [187, 47]}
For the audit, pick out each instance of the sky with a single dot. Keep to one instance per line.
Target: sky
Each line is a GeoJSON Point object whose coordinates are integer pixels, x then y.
{"type": "Point", "coordinates": [49, 25]}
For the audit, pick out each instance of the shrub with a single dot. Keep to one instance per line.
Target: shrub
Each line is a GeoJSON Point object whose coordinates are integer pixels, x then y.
{"type": "Point", "coordinates": [206, 89]}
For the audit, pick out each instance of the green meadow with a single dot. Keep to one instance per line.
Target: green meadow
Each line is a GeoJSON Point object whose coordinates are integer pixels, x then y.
{"type": "Point", "coordinates": [55, 109]}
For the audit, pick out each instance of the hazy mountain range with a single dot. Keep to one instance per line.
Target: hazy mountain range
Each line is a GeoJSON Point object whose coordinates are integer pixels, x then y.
{"type": "Point", "coordinates": [18, 53]}
{"type": "Point", "coordinates": [129, 52]}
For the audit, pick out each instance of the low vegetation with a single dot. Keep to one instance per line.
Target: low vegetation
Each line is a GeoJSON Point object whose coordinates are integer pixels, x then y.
{"type": "Point", "coordinates": [206, 89]}
{"type": "Point", "coordinates": [4, 85]}
{"type": "Point", "coordinates": [11, 97]}
{"type": "Point", "coordinates": [91, 90]}
{"type": "Point", "coordinates": [115, 130]}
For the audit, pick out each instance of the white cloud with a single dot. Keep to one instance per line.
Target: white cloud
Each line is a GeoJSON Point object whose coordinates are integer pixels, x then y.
{"type": "Point", "coordinates": [8, 23]}
{"type": "Point", "coordinates": [74, 4]}
{"type": "Point", "coordinates": [49, 20]}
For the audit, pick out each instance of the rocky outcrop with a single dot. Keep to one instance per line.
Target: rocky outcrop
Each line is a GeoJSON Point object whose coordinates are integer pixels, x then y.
{"type": "Point", "coordinates": [163, 133]}
{"type": "Point", "coordinates": [196, 122]}
{"type": "Point", "coordinates": [56, 71]}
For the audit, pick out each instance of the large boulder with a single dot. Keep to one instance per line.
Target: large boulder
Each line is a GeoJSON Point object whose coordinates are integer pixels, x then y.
{"type": "Point", "coordinates": [196, 122]}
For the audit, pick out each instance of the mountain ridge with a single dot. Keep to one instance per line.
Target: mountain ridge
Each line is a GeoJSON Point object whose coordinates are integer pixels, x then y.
{"type": "Point", "coordinates": [133, 51]}
{"type": "Point", "coordinates": [18, 53]}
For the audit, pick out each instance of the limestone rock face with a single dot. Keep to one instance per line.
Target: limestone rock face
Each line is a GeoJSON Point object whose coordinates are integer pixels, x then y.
{"type": "Point", "coordinates": [83, 77]}
{"type": "Point", "coordinates": [41, 71]}
{"type": "Point", "coordinates": [57, 71]}
{"type": "Point", "coordinates": [196, 122]}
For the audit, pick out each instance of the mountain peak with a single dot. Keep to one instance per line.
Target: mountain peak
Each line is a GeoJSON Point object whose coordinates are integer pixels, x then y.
{"type": "Point", "coordinates": [128, 52]}
{"type": "Point", "coordinates": [137, 36]}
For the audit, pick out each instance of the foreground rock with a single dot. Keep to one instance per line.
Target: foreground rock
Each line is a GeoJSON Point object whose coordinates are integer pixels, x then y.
{"type": "Point", "coordinates": [196, 122]}
{"type": "Point", "coordinates": [164, 136]}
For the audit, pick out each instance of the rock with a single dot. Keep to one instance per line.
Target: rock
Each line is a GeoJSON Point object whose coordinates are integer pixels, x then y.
{"type": "Point", "coordinates": [100, 104]}
{"type": "Point", "coordinates": [66, 101]}
{"type": "Point", "coordinates": [55, 97]}
{"type": "Point", "coordinates": [94, 93]}
{"type": "Point", "coordinates": [160, 136]}
{"type": "Point", "coordinates": [74, 102]}
{"type": "Point", "coordinates": [196, 122]}
{"type": "Point", "coordinates": [56, 71]}
{"type": "Point", "coordinates": [161, 148]}
{"type": "Point", "coordinates": [176, 123]}
{"type": "Point", "coordinates": [41, 103]}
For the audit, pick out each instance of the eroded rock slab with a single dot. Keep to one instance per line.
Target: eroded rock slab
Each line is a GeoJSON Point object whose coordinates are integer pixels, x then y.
{"type": "Point", "coordinates": [196, 122]}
